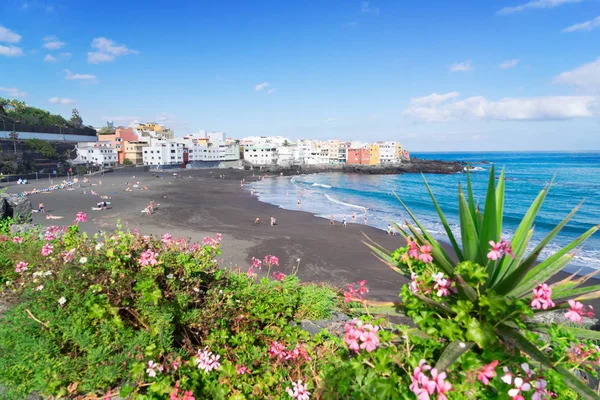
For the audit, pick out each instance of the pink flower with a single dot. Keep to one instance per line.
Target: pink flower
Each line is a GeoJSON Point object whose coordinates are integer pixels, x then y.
{"type": "Point", "coordinates": [542, 297]}
{"type": "Point", "coordinates": [442, 285]}
{"type": "Point", "coordinates": [135, 231]}
{"type": "Point", "coordinates": [152, 368]}
{"type": "Point", "coordinates": [423, 386]}
{"type": "Point", "coordinates": [496, 251]}
{"type": "Point", "coordinates": [540, 390]}
{"type": "Point", "coordinates": [48, 236]}
{"type": "Point", "coordinates": [279, 276]}
{"type": "Point", "coordinates": [358, 336]}
{"type": "Point", "coordinates": [242, 369]}
{"type": "Point", "coordinates": [68, 256]}
{"type": "Point", "coordinates": [21, 267]}
{"type": "Point", "coordinates": [207, 361]}
{"type": "Point", "coordinates": [506, 248]}
{"type": "Point", "coordinates": [520, 386]}
{"type": "Point", "coordinates": [271, 261]}
{"type": "Point", "coordinates": [356, 294]}
{"type": "Point", "coordinates": [148, 257]}
{"type": "Point", "coordinates": [212, 242]}
{"type": "Point", "coordinates": [250, 273]}
{"type": "Point", "coordinates": [256, 263]}
{"type": "Point", "coordinates": [47, 249]}
{"type": "Point", "coordinates": [414, 283]}
{"type": "Point", "coordinates": [17, 239]}
{"type": "Point", "coordinates": [413, 251]}
{"type": "Point", "coordinates": [298, 391]}
{"type": "Point", "coordinates": [166, 238]}
{"type": "Point", "coordinates": [425, 255]}
{"type": "Point", "coordinates": [277, 350]}
{"type": "Point", "coordinates": [81, 217]}
{"type": "Point", "coordinates": [298, 353]}
{"type": "Point", "coordinates": [188, 395]}
{"type": "Point", "coordinates": [487, 372]}
{"type": "Point", "coordinates": [576, 313]}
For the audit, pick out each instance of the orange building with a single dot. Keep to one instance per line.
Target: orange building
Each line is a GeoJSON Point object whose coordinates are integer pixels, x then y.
{"type": "Point", "coordinates": [119, 139]}
{"type": "Point", "coordinates": [359, 156]}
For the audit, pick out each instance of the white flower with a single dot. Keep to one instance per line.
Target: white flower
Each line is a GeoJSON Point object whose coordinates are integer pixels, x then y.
{"type": "Point", "coordinates": [8, 283]}
{"type": "Point", "coordinates": [41, 287]}
{"type": "Point", "coordinates": [62, 301]}
{"type": "Point", "coordinates": [37, 274]}
{"type": "Point", "coordinates": [47, 273]}
{"type": "Point", "coordinates": [519, 386]}
{"type": "Point", "coordinates": [99, 246]}
{"type": "Point", "coordinates": [83, 260]}
{"type": "Point", "coordinates": [196, 290]}
{"type": "Point", "coordinates": [170, 276]}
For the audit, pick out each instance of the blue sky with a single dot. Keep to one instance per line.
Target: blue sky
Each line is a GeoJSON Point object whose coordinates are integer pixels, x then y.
{"type": "Point", "coordinates": [436, 75]}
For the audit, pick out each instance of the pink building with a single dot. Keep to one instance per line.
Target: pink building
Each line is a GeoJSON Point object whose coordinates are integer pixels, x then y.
{"type": "Point", "coordinates": [119, 139]}
{"type": "Point", "coordinates": [358, 156]}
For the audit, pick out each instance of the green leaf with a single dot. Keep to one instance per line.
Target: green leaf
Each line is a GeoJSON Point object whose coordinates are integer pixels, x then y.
{"type": "Point", "coordinates": [488, 227]}
{"type": "Point", "coordinates": [125, 391]}
{"type": "Point", "coordinates": [480, 333]}
{"type": "Point", "coordinates": [451, 353]}
{"type": "Point", "coordinates": [560, 295]}
{"type": "Point", "coordinates": [470, 240]}
{"type": "Point", "coordinates": [434, 303]}
{"type": "Point", "coordinates": [471, 199]}
{"type": "Point", "coordinates": [513, 336]}
{"type": "Point", "coordinates": [526, 285]}
{"type": "Point", "coordinates": [495, 303]}
{"type": "Point", "coordinates": [383, 256]}
{"type": "Point", "coordinates": [451, 237]}
{"type": "Point", "coordinates": [580, 333]}
{"type": "Point", "coordinates": [500, 204]}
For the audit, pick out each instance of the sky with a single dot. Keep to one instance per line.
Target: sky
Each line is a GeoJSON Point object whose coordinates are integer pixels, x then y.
{"type": "Point", "coordinates": [436, 75]}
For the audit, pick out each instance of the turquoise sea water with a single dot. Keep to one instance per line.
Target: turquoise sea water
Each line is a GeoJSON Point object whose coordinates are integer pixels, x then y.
{"type": "Point", "coordinates": [577, 178]}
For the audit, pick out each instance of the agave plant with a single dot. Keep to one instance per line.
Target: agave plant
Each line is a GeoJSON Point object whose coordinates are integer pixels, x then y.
{"type": "Point", "coordinates": [506, 279]}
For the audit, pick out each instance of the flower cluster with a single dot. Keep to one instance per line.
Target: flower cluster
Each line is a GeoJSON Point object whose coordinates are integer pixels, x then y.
{"type": "Point", "coordinates": [81, 217]}
{"type": "Point", "coordinates": [148, 257]}
{"type": "Point", "coordinates": [422, 253]}
{"type": "Point", "coordinates": [51, 232]}
{"type": "Point", "coordinates": [256, 263]}
{"type": "Point", "coordinates": [68, 256]}
{"type": "Point", "coordinates": [355, 294]}
{"type": "Point", "coordinates": [242, 370]}
{"type": "Point", "coordinates": [271, 261]}
{"type": "Point", "coordinates": [167, 239]}
{"type": "Point", "coordinates": [187, 395]}
{"type": "Point", "coordinates": [47, 249]}
{"type": "Point", "coordinates": [576, 313]}
{"type": "Point", "coordinates": [278, 276]}
{"type": "Point", "coordinates": [487, 372]}
{"type": "Point", "coordinates": [298, 391]}
{"type": "Point", "coordinates": [499, 249]}
{"type": "Point", "coordinates": [442, 285]}
{"type": "Point", "coordinates": [542, 297]}
{"type": "Point", "coordinates": [278, 351]}
{"type": "Point", "coordinates": [206, 360]}
{"type": "Point", "coordinates": [361, 336]}
{"type": "Point", "coordinates": [21, 267]}
{"type": "Point", "coordinates": [17, 239]}
{"type": "Point", "coordinates": [424, 386]}
{"type": "Point", "coordinates": [212, 242]}
{"type": "Point", "coordinates": [152, 368]}
{"type": "Point", "coordinates": [525, 383]}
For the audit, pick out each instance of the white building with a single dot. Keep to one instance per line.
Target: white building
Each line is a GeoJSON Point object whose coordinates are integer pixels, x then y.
{"type": "Point", "coordinates": [160, 153]}
{"type": "Point", "coordinates": [387, 152]}
{"type": "Point", "coordinates": [276, 141]}
{"type": "Point", "coordinates": [96, 153]}
{"type": "Point", "coordinates": [285, 156]}
{"type": "Point", "coordinates": [260, 154]}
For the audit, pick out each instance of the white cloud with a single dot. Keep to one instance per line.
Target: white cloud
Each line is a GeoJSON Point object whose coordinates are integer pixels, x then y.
{"type": "Point", "coordinates": [8, 36]}
{"type": "Point", "coordinates": [433, 98]}
{"type": "Point", "coordinates": [106, 50]}
{"type": "Point", "coordinates": [12, 92]}
{"type": "Point", "coordinates": [535, 4]}
{"type": "Point", "coordinates": [79, 77]}
{"type": "Point", "coordinates": [50, 58]}
{"type": "Point", "coordinates": [11, 51]}
{"type": "Point", "coordinates": [272, 90]}
{"type": "Point", "coordinates": [584, 26]}
{"type": "Point", "coordinates": [586, 76]}
{"type": "Point", "coordinates": [58, 100]}
{"type": "Point", "coordinates": [52, 43]}
{"type": "Point", "coordinates": [509, 63]}
{"type": "Point", "coordinates": [520, 109]}
{"type": "Point", "coordinates": [261, 86]}
{"type": "Point", "coordinates": [461, 67]}
{"type": "Point", "coordinates": [366, 8]}
{"type": "Point", "coordinates": [60, 57]}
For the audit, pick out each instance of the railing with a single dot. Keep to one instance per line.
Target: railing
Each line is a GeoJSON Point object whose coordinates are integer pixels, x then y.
{"type": "Point", "coordinates": [9, 126]}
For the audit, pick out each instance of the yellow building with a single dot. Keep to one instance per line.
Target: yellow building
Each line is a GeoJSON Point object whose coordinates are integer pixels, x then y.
{"type": "Point", "coordinates": [374, 153]}
{"type": "Point", "coordinates": [134, 152]}
{"type": "Point", "coordinates": [398, 150]}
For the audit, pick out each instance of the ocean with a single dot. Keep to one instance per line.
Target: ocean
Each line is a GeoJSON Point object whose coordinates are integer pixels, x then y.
{"type": "Point", "coordinates": [342, 195]}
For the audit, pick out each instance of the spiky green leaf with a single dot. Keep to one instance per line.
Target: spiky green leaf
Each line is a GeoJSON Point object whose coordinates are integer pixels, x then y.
{"type": "Point", "coordinates": [470, 240]}
{"type": "Point", "coordinates": [451, 353]}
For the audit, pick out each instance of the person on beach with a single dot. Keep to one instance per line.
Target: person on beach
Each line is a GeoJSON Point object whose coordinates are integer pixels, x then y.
{"type": "Point", "coordinates": [299, 202]}
{"type": "Point", "coordinates": [353, 218]}
{"type": "Point", "coordinates": [394, 233]}
{"type": "Point", "coordinates": [366, 219]}
{"type": "Point", "coordinates": [389, 229]}
{"type": "Point", "coordinates": [242, 183]}
{"type": "Point", "coordinates": [272, 220]}
{"type": "Point", "coordinates": [257, 221]}
{"type": "Point", "coordinates": [331, 220]}
{"type": "Point", "coordinates": [41, 208]}
{"type": "Point", "coordinates": [344, 222]}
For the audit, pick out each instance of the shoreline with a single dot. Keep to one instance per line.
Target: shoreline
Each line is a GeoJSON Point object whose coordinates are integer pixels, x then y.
{"type": "Point", "coordinates": [195, 204]}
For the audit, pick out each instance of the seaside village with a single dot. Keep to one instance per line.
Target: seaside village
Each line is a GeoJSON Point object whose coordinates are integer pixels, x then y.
{"type": "Point", "coordinates": [156, 146]}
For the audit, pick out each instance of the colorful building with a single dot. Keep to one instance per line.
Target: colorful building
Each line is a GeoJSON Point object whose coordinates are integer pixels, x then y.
{"type": "Point", "coordinates": [374, 152]}
{"type": "Point", "coordinates": [119, 139]}
{"type": "Point", "coordinates": [360, 156]}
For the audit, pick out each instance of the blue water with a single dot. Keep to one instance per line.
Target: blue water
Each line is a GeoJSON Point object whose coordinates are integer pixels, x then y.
{"type": "Point", "coordinates": [341, 195]}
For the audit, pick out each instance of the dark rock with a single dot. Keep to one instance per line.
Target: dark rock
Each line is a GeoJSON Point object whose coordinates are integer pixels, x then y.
{"type": "Point", "coordinates": [22, 228]}
{"type": "Point", "coordinates": [16, 207]}
{"type": "Point", "coordinates": [334, 325]}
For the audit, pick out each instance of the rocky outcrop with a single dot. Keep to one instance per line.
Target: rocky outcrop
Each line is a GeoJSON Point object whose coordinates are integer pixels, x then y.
{"type": "Point", "coordinates": [16, 207]}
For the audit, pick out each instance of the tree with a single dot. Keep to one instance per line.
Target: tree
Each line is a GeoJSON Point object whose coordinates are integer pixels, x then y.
{"type": "Point", "coordinates": [127, 161]}
{"type": "Point", "coordinates": [106, 130]}
{"type": "Point", "coordinates": [76, 120]}
{"type": "Point", "coordinates": [14, 136]}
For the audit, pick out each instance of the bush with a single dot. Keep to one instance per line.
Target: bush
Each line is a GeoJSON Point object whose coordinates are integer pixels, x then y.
{"type": "Point", "coordinates": [127, 161]}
